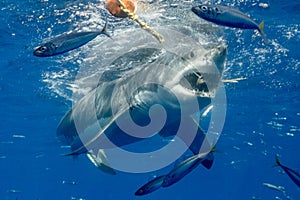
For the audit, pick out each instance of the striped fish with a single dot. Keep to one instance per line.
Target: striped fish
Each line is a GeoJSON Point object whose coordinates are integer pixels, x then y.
{"type": "Point", "coordinates": [67, 42]}
{"type": "Point", "coordinates": [227, 16]}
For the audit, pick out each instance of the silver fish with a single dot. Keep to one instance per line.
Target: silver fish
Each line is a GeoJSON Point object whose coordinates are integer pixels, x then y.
{"type": "Point", "coordinates": [185, 168]}
{"type": "Point", "coordinates": [274, 187]}
{"type": "Point", "coordinates": [227, 16]}
{"type": "Point", "coordinates": [151, 186]}
{"type": "Point", "coordinates": [67, 42]}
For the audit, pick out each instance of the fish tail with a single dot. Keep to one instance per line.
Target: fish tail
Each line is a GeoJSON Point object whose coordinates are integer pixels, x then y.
{"type": "Point", "coordinates": [261, 31]}
{"type": "Point", "coordinates": [261, 26]}
{"type": "Point", "coordinates": [215, 150]}
{"type": "Point", "coordinates": [277, 163]}
{"type": "Point", "coordinates": [104, 30]}
{"type": "Point", "coordinates": [208, 161]}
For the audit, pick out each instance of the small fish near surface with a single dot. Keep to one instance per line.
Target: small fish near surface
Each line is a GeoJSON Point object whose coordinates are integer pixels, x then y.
{"type": "Point", "coordinates": [295, 176]}
{"type": "Point", "coordinates": [67, 42]}
{"type": "Point", "coordinates": [227, 16]}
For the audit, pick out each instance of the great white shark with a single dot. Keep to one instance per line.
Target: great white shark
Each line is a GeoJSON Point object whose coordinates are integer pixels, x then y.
{"type": "Point", "coordinates": [124, 110]}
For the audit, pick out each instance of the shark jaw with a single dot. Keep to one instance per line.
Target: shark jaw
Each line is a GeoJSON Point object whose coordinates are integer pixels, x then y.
{"type": "Point", "coordinates": [200, 79]}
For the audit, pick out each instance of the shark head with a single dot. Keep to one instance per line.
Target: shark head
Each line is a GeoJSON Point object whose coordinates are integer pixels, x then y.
{"type": "Point", "coordinates": [192, 76]}
{"type": "Point", "coordinates": [201, 76]}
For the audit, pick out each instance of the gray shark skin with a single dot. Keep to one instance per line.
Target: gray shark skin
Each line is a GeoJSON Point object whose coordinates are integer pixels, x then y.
{"type": "Point", "coordinates": [102, 119]}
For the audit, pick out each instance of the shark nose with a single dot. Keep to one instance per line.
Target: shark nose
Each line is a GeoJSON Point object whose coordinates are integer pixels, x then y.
{"type": "Point", "coordinates": [222, 50]}
{"type": "Point", "coordinates": [219, 57]}
{"type": "Point", "coordinates": [218, 51]}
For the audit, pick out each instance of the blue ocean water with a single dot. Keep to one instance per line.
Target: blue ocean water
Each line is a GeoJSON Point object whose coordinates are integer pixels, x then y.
{"type": "Point", "coordinates": [262, 116]}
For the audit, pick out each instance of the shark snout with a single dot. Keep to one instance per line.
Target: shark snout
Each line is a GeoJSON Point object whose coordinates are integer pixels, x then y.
{"type": "Point", "coordinates": [222, 49]}
{"type": "Point", "coordinates": [219, 55]}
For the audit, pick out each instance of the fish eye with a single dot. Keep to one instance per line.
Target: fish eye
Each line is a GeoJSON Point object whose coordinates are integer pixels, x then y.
{"type": "Point", "coordinates": [43, 48]}
{"type": "Point", "coordinates": [203, 8]}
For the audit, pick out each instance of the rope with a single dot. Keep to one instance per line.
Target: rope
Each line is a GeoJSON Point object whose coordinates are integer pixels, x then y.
{"type": "Point", "coordinates": [142, 24]}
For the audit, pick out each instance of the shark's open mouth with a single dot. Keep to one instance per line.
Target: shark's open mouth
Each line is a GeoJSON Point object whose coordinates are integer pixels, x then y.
{"type": "Point", "coordinates": [195, 83]}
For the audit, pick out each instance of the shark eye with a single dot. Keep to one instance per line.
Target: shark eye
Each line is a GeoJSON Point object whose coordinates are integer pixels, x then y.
{"type": "Point", "coordinates": [204, 8]}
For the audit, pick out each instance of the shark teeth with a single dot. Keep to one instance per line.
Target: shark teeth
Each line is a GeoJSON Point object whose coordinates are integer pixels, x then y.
{"type": "Point", "coordinates": [201, 93]}
{"type": "Point", "coordinates": [195, 83]}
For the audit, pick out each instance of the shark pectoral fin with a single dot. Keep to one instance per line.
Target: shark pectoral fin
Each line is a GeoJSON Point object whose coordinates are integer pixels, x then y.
{"type": "Point", "coordinates": [76, 144]}
{"type": "Point", "coordinates": [100, 161]}
{"type": "Point", "coordinates": [209, 160]}
{"type": "Point", "coordinates": [80, 149]}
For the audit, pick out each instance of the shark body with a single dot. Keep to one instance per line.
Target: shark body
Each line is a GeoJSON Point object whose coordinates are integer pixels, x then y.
{"type": "Point", "coordinates": [129, 109]}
